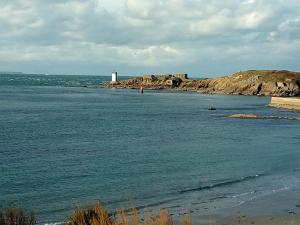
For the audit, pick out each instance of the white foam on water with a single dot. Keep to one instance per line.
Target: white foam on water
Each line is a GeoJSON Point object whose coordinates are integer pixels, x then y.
{"type": "Point", "coordinates": [243, 194]}
{"type": "Point", "coordinates": [55, 223]}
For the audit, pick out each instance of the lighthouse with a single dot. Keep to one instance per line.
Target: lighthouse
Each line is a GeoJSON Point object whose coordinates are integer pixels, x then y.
{"type": "Point", "coordinates": [114, 77]}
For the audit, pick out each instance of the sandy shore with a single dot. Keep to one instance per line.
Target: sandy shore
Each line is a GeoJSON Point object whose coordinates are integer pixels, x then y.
{"type": "Point", "coordinates": [276, 209]}
{"type": "Point", "coordinates": [244, 220]}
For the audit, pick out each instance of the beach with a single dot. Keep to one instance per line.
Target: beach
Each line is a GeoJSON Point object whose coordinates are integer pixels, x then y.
{"type": "Point", "coordinates": [279, 208]}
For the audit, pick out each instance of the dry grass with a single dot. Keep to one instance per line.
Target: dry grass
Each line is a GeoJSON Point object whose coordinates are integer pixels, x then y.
{"type": "Point", "coordinates": [94, 216]}
{"type": "Point", "coordinates": [162, 218]}
{"type": "Point", "coordinates": [187, 219]}
{"type": "Point", "coordinates": [15, 216]}
{"type": "Point", "coordinates": [210, 220]}
{"type": "Point", "coordinates": [98, 215]}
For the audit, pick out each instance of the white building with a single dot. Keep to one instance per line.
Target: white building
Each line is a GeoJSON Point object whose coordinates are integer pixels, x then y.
{"type": "Point", "coordinates": [114, 77]}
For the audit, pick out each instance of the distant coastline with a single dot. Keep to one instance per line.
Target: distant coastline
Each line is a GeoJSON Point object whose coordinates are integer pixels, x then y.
{"type": "Point", "coordinates": [10, 73]}
{"type": "Point", "coordinates": [20, 73]}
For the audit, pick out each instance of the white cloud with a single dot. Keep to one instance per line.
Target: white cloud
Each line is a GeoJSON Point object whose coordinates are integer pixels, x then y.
{"type": "Point", "coordinates": [249, 2]}
{"type": "Point", "coordinates": [153, 34]}
{"type": "Point", "coordinates": [252, 20]}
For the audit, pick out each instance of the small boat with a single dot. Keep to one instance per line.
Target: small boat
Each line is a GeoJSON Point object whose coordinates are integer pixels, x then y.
{"type": "Point", "coordinates": [211, 108]}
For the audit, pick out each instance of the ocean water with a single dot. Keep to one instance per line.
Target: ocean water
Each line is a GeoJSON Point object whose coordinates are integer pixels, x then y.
{"type": "Point", "coordinates": [63, 145]}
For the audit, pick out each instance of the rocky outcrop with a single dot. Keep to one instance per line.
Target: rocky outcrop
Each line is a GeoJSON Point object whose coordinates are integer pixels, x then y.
{"type": "Point", "coordinates": [252, 82]}
{"type": "Point", "coordinates": [254, 116]}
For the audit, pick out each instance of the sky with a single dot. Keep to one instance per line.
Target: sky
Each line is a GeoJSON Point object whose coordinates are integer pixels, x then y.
{"type": "Point", "coordinates": [203, 38]}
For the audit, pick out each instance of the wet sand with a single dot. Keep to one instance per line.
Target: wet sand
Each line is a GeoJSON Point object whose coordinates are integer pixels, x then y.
{"type": "Point", "coordinates": [282, 208]}
{"type": "Point", "coordinates": [287, 220]}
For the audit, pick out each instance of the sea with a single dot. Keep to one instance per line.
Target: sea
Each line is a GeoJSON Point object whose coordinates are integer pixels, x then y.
{"type": "Point", "coordinates": [65, 145]}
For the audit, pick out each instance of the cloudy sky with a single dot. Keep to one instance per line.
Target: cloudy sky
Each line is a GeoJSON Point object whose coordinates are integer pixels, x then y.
{"type": "Point", "coordinates": [199, 37]}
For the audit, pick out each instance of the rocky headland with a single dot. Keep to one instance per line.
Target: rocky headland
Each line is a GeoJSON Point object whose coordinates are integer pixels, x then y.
{"type": "Point", "coordinates": [252, 82]}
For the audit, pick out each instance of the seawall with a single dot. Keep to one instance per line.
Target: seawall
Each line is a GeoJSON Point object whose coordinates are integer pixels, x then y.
{"type": "Point", "coordinates": [285, 102]}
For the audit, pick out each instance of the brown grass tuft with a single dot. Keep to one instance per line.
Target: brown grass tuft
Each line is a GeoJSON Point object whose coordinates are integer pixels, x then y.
{"type": "Point", "coordinates": [15, 216]}
{"type": "Point", "coordinates": [187, 219]}
{"type": "Point", "coordinates": [210, 220]}
{"type": "Point", "coordinates": [93, 216]}
{"type": "Point", "coordinates": [99, 216]}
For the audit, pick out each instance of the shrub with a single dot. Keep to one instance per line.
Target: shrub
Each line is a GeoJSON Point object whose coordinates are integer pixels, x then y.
{"type": "Point", "coordinates": [15, 216]}
{"type": "Point", "coordinates": [98, 215]}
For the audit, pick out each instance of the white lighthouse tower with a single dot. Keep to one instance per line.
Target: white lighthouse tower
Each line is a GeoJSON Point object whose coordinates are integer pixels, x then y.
{"type": "Point", "coordinates": [114, 77]}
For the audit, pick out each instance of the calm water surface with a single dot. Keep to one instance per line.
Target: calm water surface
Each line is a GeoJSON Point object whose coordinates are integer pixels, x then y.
{"type": "Point", "coordinates": [62, 145]}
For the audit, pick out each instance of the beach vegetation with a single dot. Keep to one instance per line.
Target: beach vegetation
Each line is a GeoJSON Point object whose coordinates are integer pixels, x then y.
{"type": "Point", "coordinates": [98, 215]}
{"type": "Point", "coordinates": [16, 216]}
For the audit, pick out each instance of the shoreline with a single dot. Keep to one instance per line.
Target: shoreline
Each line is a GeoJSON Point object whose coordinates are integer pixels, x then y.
{"type": "Point", "coordinates": [252, 82]}
{"type": "Point", "coordinates": [178, 90]}
{"type": "Point", "coordinates": [279, 208]}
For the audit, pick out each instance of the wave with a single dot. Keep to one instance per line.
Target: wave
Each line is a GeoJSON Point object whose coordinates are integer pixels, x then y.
{"type": "Point", "coordinates": [159, 203]}
{"type": "Point", "coordinates": [221, 184]}
{"type": "Point", "coordinates": [244, 194]}
{"type": "Point", "coordinates": [55, 223]}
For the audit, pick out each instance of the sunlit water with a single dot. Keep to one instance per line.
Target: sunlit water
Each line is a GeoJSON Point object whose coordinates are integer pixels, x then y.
{"type": "Point", "coordinates": [63, 145]}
